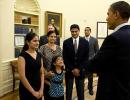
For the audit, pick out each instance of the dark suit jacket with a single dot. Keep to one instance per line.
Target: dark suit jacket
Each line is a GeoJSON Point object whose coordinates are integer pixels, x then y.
{"type": "Point", "coordinates": [112, 62]}
{"type": "Point", "coordinates": [43, 40]}
{"type": "Point", "coordinates": [73, 60]}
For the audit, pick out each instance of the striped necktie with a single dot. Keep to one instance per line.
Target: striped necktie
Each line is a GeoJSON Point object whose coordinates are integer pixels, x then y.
{"type": "Point", "coordinates": [75, 46]}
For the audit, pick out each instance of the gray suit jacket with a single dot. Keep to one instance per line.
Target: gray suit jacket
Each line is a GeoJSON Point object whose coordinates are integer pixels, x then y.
{"type": "Point", "coordinates": [93, 47]}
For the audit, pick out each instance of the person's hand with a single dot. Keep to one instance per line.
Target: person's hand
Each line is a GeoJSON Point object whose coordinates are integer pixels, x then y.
{"type": "Point", "coordinates": [41, 92]}
{"type": "Point", "coordinates": [50, 74]}
{"type": "Point", "coordinates": [36, 94]}
{"type": "Point", "coordinates": [63, 67]}
{"type": "Point", "coordinates": [47, 82]}
{"type": "Point", "coordinates": [76, 72]}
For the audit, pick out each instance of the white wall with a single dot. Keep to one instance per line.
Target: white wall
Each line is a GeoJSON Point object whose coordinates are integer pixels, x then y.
{"type": "Point", "coordinates": [7, 29]}
{"type": "Point", "coordinates": [82, 12]}
{"type": "Point", "coordinates": [6, 44]}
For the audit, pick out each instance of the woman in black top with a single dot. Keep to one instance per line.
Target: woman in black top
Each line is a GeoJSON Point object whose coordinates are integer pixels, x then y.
{"type": "Point", "coordinates": [30, 69]}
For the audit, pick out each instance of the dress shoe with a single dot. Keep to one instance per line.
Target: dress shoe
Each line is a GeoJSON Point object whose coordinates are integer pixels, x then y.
{"type": "Point", "coordinates": [91, 92]}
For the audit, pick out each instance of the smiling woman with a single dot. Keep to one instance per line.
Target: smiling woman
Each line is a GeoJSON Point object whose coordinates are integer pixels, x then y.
{"type": "Point", "coordinates": [31, 81]}
{"type": "Point", "coordinates": [48, 51]}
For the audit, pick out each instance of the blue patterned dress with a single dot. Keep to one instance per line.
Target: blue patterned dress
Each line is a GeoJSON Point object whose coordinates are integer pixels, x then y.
{"type": "Point", "coordinates": [57, 88]}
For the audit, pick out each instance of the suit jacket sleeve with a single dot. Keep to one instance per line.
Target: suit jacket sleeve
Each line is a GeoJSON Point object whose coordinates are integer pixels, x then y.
{"type": "Point", "coordinates": [40, 42]}
{"type": "Point", "coordinates": [67, 62]}
{"type": "Point", "coordinates": [102, 59]}
{"type": "Point", "coordinates": [84, 57]}
{"type": "Point", "coordinates": [43, 40]}
{"type": "Point", "coordinates": [96, 46]}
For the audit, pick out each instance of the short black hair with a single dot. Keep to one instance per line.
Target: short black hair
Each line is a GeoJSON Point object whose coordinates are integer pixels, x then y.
{"type": "Point", "coordinates": [122, 7]}
{"type": "Point", "coordinates": [74, 26]}
{"type": "Point", "coordinates": [89, 28]}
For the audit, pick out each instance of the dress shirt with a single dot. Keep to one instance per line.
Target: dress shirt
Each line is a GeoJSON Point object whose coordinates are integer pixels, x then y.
{"type": "Point", "coordinates": [119, 26]}
{"type": "Point", "coordinates": [77, 40]}
{"type": "Point", "coordinates": [87, 38]}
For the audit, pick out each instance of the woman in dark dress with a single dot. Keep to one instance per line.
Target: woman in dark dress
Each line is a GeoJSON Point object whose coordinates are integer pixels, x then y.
{"type": "Point", "coordinates": [30, 67]}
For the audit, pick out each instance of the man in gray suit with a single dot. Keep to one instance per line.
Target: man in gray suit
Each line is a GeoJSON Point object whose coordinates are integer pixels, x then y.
{"type": "Point", "coordinates": [93, 48]}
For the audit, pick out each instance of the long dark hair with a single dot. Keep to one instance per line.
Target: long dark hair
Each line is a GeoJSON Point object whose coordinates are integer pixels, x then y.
{"type": "Point", "coordinates": [28, 38]}
{"type": "Point", "coordinates": [53, 67]}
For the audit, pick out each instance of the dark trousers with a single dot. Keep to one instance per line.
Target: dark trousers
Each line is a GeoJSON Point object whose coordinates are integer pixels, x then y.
{"type": "Point", "coordinates": [46, 94]}
{"type": "Point", "coordinates": [69, 80]}
{"type": "Point", "coordinates": [90, 80]}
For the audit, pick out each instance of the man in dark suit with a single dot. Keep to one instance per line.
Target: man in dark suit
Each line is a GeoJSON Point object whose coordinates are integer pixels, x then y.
{"type": "Point", "coordinates": [44, 40]}
{"type": "Point", "coordinates": [112, 61]}
{"type": "Point", "coordinates": [93, 48]}
{"type": "Point", "coordinates": [75, 54]}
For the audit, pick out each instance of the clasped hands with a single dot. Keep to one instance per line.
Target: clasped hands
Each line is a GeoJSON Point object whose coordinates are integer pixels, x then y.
{"type": "Point", "coordinates": [76, 72]}
{"type": "Point", "coordinates": [38, 94]}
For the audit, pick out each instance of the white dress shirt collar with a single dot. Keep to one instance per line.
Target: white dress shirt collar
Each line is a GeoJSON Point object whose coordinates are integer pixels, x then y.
{"type": "Point", "coordinates": [119, 26]}
{"type": "Point", "coordinates": [87, 38]}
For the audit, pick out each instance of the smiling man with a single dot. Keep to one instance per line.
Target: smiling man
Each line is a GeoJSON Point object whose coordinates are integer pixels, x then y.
{"type": "Point", "coordinates": [75, 54]}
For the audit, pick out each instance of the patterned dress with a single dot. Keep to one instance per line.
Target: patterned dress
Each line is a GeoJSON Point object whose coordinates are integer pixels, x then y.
{"type": "Point", "coordinates": [57, 88]}
{"type": "Point", "coordinates": [48, 54]}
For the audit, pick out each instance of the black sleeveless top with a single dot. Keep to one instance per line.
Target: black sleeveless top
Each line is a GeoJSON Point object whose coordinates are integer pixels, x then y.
{"type": "Point", "coordinates": [32, 73]}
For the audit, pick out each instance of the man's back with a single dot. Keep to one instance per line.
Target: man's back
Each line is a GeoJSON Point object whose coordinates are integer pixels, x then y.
{"type": "Point", "coordinates": [114, 66]}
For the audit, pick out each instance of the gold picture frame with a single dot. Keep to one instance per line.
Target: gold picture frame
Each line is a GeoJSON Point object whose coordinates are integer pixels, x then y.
{"type": "Point", "coordinates": [55, 19]}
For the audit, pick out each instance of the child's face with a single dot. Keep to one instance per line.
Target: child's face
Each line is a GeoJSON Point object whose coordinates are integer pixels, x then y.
{"type": "Point", "coordinates": [59, 61]}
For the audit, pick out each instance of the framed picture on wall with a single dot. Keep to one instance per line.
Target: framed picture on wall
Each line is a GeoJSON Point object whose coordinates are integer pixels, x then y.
{"type": "Point", "coordinates": [19, 40]}
{"type": "Point", "coordinates": [55, 19]}
{"type": "Point", "coordinates": [102, 30]}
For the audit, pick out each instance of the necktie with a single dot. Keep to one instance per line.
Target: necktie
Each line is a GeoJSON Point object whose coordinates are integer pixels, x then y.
{"type": "Point", "coordinates": [75, 46]}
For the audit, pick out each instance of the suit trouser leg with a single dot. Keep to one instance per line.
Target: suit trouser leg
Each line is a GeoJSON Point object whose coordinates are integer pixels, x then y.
{"type": "Point", "coordinates": [90, 81]}
{"type": "Point", "coordinates": [80, 88]}
{"type": "Point", "coordinates": [46, 94]}
{"type": "Point", "coordinates": [69, 86]}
